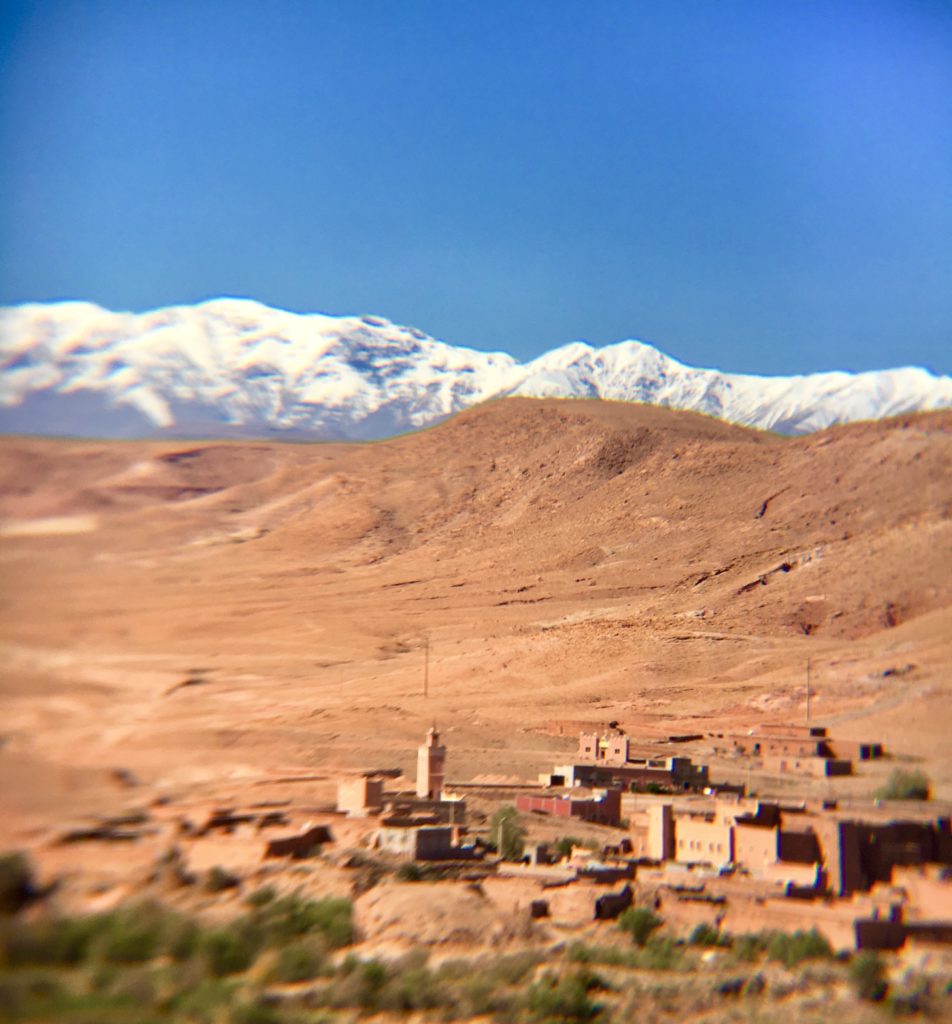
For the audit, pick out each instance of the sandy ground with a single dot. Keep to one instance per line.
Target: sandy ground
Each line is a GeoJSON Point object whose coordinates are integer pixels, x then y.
{"type": "Point", "coordinates": [211, 616]}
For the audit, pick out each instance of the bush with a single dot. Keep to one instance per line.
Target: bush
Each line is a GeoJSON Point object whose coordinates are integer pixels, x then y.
{"type": "Point", "coordinates": [610, 955]}
{"type": "Point", "coordinates": [508, 834]}
{"type": "Point", "coordinates": [564, 846]}
{"type": "Point", "coordinates": [868, 975]}
{"type": "Point", "coordinates": [564, 999]}
{"type": "Point", "coordinates": [660, 954]}
{"type": "Point", "coordinates": [412, 988]}
{"type": "Point", "coordinates": [904, 785]}
{"type": "Point", "coordinates": [639, 922]}
{"type": "Point", "coordinates": [748, 948]}
{"type": "Point", "coordinates": [359, 983]}
{"type": "Point", "coordinates": [409, 872]}
{"type": "Point", "coordinates": [705, 935]}
{"type": "Point", "coordinates": [791, 949]}
{"type": "Point", "coordinates": [261, 897]}
{"type": "Point", "coordinates": [292, 916]}
{"type": "Point", "coordinates": [182, 938]}
{"type": "Point", "coordinates": [203, 1000]}
{"type": "Point", "coordinates": [299, 962]}
{"type": "Point", "coordinates": [218, 879]}
{"type": "Point", "coordinates": [228, 952]}
{"type": "Point", "coordinates": [132, 936]}
{"type": "Point", "coordinates": [16, 883]}
{"type": "Point", "coordinates": [254, 1012]}
{"type": "Point", "coordinates": [63, 942]}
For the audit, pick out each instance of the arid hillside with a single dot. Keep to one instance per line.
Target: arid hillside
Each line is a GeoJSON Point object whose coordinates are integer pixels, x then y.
{"type": "Point", "coordinates": [198, 613]}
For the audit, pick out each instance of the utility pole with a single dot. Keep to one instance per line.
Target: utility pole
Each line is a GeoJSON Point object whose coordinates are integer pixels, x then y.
{"type": "Point", "coordinates": [808, 690]}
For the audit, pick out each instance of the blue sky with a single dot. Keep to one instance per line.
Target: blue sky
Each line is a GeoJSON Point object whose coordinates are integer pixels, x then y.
{"type": "Point", "coordinates": [761, 186]}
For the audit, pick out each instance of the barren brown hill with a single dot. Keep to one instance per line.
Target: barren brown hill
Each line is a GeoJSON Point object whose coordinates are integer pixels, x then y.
{"type": "Point", "coordinates": [568, 561]}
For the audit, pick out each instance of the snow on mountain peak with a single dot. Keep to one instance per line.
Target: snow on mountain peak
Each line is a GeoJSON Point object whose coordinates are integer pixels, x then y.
{"type": "Point", "coordinates": [232, 365]}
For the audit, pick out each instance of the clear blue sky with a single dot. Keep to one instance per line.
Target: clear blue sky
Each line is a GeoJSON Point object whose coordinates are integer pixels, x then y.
{"type": "Point", "coordinates": [761, 186]}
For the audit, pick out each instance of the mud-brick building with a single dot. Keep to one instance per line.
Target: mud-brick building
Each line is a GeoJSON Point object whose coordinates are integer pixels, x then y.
{"type": "Point", "coordinates": [420, 839]}
{"type": "Point", "coordinates": [601, 808]}
{"type": "Point", "coordinates": [609, 760]}
{"type": "Point", "coordinates": [361, 796]}
{"type": "Point", "coordinates": [857, 854]}
{"type": "Point", "coordinates": [822, 850]}
{"type": "Point", "coordinates": [798, 749]}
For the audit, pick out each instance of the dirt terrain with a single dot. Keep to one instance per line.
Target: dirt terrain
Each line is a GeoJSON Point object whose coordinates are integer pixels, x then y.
{"type": "Point", "coordinates": [209, 616]}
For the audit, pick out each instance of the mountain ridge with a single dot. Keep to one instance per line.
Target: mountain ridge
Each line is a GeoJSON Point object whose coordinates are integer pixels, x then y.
{"type": "Point", "coordinates": [235, 367]}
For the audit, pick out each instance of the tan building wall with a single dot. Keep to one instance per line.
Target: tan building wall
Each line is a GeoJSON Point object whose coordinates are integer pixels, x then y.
{"type": "Point", "coordinates": [929, 895]}
{"type": "Point", "coordinates": [819, 767]}
{"type": "Point", "coordinates": [359, 797]}
{"type": "Point", "coordinates": [661, 832]}
{"type": "Point", "coordinates": [423, 842]}
{"type": "Point", "coordinates": [835, 923]}
{"type": "Point", "coordinates": [612, 748]}
{"type": "Point", "coordinates": [703, 842]}
{"type": "Point", "coordinates": [431, 767]}
{"type": "Point", "coordinates": [756, 847]}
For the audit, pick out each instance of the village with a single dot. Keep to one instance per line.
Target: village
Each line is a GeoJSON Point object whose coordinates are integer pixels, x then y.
{"type": "Point", "coordinates": [620, 824]}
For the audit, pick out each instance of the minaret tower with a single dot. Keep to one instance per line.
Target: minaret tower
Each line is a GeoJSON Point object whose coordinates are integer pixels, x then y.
{"type": "Point", "coordinates": [431, 767]}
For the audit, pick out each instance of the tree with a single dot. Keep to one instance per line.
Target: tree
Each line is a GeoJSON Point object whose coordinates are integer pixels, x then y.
{"type": "Point", "coordinates": [868, 974]}
{"type": "Point", "coordinates": [16, 883]}
{"type": "Point", "coordinates": [639, 922]}
{"type": "Point", "coordinates": [903, 785]}
{"type": "Point", "coordinates": [564, 846]}
{"type": "Point", "coordinates": [507, 833]}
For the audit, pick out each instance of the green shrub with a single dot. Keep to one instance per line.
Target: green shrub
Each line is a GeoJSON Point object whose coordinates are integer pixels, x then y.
{"type": "Point", "coordinates": [513, 968]}
{"type": "Point", "coordinates": [228, 952]}
{"type": "Point", "coordinates": [254, 1012]}
{"type": "Point", "coordinates": [202, 1001]}
{"type": "Point", "coordinates": [748, 948]}
{"type": "Point", "coordinates": [610, 955]}
{"type": "Point", "coordinates": [16, 883]}
{"type": "Point", "coordinates": [639, 922]}
{"type": "Point", "coordinates": [218, 879]}
{"type": "Point", "coordinates": [409, 872]}
{"type": "Point", "coordinates": [182, 938]}
{"type": "Point", "coordinates": [298, 962]}
{"type": "Point", "coordinates": [291, 916]}
{"type": "Point", "coordinates": [261, 897]}
{"type": "Point", "coordinates": [64, 942]}
{"type": "Point", "coordinates": [359, 983]}
{"type": "Point", "coordinates": [705, 935]}
{"type": "Point", "coordinates": [413, 988]}
{"type": "Point", "coordinates": [791, 949]}
{"type": "Point", "coordinates": [132, 935]}
{"type": "Point", "coordinates": [660, 954]}
{"type": "Point", "coordinates": [564, 846]}
{"type": "Point", "coordinates": [508, 833]}
{"type": "Point", "coordinates": [564, 999]}
{"type": "Point", "coordinates": [868, 975]}
{"type": "Point", "coordinates": [905, 785]}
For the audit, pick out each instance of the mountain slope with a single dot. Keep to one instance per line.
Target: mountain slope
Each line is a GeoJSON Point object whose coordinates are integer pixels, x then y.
{"type": "Point", "coordinates": [233, 367]}
{"type": "Point", "coordinates": [586, 561]}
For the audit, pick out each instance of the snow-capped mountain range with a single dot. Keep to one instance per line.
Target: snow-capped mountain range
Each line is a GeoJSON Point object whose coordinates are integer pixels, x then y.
{"type": "Point", "coordinates": [234, 367]}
